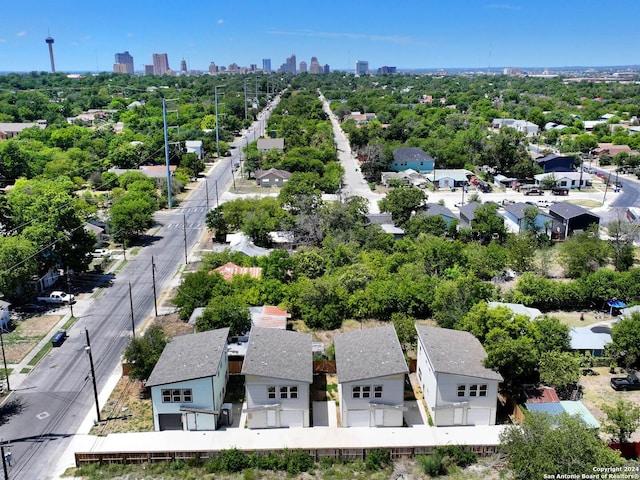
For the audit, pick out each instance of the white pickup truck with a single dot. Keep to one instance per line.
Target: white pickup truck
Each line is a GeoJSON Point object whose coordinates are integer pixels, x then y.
{"type": "Point", "coordinates": [57, 297]}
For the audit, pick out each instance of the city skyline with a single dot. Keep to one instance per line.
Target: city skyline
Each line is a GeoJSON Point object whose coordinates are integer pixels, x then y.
{"type": "Point", "coordinates": [411, 35]}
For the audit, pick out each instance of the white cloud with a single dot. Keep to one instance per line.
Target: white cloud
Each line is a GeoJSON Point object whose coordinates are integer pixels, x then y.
{"type": "Point", "coordinates": [220, 21]}
{"type": "Point", "coordinates": [21, 34]}
{"type": "Point", "coordinates": [129, 35]}
{"type": "Point", "coordinates": [3, 40]}
{"type": "Point", "coordinates": [397, 39]}
{"type": "Point", "coordinates": [502, 6]}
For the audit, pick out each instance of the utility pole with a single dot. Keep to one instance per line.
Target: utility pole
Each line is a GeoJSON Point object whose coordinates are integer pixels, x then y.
{"type": "Point", "coordinates": [69, 292]}
{"type": "Point", "coordinates": [153, 277]}
{"type": "Point", "coordinates": [87, 349]}
{"type": "Point", "coordinates": [217, 202]}
{"type": "Point", "coordinates": [245, 98]}
{"type": "Point", "coordinates": [4, 462]}
{"type": "Point", "coordinates": [184, 227]}
{"type": "Point", "coordinates": [606, 187]}
{"type": "Point", "coordinates": [4, 358]}
{"type": "Point", "coordinates": [166, 149]}
{"type": "Point", "coordinates": [133, 323]}
{"type": "Point", "coordinates": [215, 89]}
{"type": "Point", "coordinates": [206, 191]}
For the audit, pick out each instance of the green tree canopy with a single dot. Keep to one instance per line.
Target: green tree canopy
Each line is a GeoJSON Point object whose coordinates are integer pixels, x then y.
{"type": "Point", "coordinates": [402, 202]}
{"type": "Point", "coordinates": [143, 352]}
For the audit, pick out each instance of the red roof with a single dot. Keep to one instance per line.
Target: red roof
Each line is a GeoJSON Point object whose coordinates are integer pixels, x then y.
{"type": "Point", "coordinates": [542, 394]}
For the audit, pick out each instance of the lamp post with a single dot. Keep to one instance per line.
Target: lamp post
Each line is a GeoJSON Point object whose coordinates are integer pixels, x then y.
{"type": "Point", "coordinates": [87, 349]}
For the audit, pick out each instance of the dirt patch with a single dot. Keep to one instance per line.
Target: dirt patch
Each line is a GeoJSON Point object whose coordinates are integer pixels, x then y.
{"type": "Point", "coordinates": [598, 392]}
{"type": "Point", "coordinates": [172, 326]}
{"type": "Point", "coordinates": [26, 335]}
{"type": "Point", "coordinates": [125, 411]}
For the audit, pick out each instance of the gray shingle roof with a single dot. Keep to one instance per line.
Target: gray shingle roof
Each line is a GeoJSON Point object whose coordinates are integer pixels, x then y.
{"type": "Point", "coordinates": [411, 154]}
{"type": "Point", "coordinates": [468, 210]}
{"type": "Point", "coordinates": [569, 210]}
{"type": "Point", "coordinates": [369, 353]}
{"type": "Point", "coordinates": [281, 354]}
{"type": "Point", "coordinates": [517, 209]}
{"type": "Point", "coordinates": [455, 352]}
{"type": "Point", "coordinates": [437, 209]}
{"type": "Point", "coordinates": [187, 357]}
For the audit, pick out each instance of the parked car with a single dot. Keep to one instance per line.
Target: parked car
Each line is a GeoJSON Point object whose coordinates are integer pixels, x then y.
{"type": "Point", "coordinates": [630, 382]}
{"type": "Point", "coordinates": [31, 308]}
{"type": "Point", "coordinates": [534, 191]}
{"type": "Point", "coordinates": [559, 191]}
{"type": "Point", "coordinates": [58, 297]}
{"type": "Point", "coordinates": [59, 338]}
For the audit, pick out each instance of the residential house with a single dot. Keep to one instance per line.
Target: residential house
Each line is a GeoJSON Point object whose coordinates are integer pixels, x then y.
{"type": "Point", "coordinates": [556, 163]}
{"type": "Point", "coordinates": [407, 177]}
{"type": "Point", "coordinates": [569, 218]}
{"type": "Point", "coordinates": [195, 146]}
{"type": "Point", "coordinates": [564, 179]}
{"type": "Point", "coordinates": [523, 126]}
{"type": "Point", "coordinates": [371, 372]}
{"type": "Point", "coordinates": [573, 408]}
{"type": "Point", "coordinates": [239, 242]}
{"type": "Point", "coordinates": [360, 118]}
{"type": "Point", "coordinates": [514, 218]}
{"type": "Point", "coordinates": [272, 177]}
{"type": "Point", "coordinates": [10, 130]}
{"type": "Point", "coordinates": [5, 316]}
{"type": "Point", "coordinates": [189, 382]}
{"type": "Point", "coordinates": [385, 220]}
{"type": "Point", "coordinates": [150, 171]}
{"type": "Point", "coordinates": [268, 316]}
{"type": "Point", "coordinates": [518, 309]}
{"type": "Point", "coordinates": [278, 370]}
{"type": "Point", "coordinates": [266, 144]}
{"type": "Point", "coordinates": [591, 339]}
{"type": "Point", "coordinates": [467, 214]}
{"type": "Point", "coordinates": [430, 209]}
{"type": "Point", "coordinates": [612, 150]}
{"type": "Point", "coordinates": [458, 389]}
{"type": "Point", "coordinates": [230, 270]}
{"type": "Point", "coordinates": [450, 178]}
{"type": "Point", "coordinates": [413, 158]}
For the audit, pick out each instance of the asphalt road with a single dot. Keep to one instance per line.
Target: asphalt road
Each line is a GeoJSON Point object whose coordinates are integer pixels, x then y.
{"type": "Point", "coordinates": [41, 416]}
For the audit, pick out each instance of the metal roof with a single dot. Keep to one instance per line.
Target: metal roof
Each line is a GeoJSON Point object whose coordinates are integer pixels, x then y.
{"type": "Point", "coordinates": [188, 357]}
{"type": "Point", "coordinates": [455, 352]}
{"type": "Point", "coordinates": [282, 354]}
{"type": "Point", "coordinates": [369, 353]}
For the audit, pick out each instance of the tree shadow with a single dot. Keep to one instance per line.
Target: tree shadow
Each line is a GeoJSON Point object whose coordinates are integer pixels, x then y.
{"type": "Point", "coordinates": [9, 409]}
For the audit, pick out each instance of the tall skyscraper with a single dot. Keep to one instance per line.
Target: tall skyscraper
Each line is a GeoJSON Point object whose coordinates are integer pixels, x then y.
{"type": "Point", "coordinates": [49, 41]}
{"type": "Point", "coordinates": [303, 67]}
{"type": "Point", "coordinates": [212, 68]}
{"type": "Point", "coordinates": [160, 63]}
{"type": "Point", "coordinates": [315, 67]}
{"type": "Point", "coordinates": [362, 67]}
{"type": "Point", "coordinates": [183, 66]}
{"type": "Point", "coordinates": [148, 69]}
{"type": "Point", "coordinates": [266, 65]}
{"type": "Point", "coordinates": [124, 63]}
{"type": "Point", "coordinates": [290, 66]}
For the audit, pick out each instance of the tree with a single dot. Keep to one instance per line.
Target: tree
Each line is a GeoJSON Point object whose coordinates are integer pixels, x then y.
{"type": "Point", "coordinates": [402, 202]}
{"type": "Point", "coordinates": [131, 215]}
{"type": "Point", "coordinates": [559, 369]}
{"type": "Point", "coordinates": [559, 445]}
{"type": "Point", "coordinates": [143, 352]}
{"type": "Point", "coordinates": [516, 359]}
{"type": "Point", "coordinates": [487, 224]}
{"type": "Point", "coordinates": [225, 311]}
{"type": "Point", "coordinates": [583, 253]}
{"type": "Point", "coordinates": [622, 235]}
{"type": "Point", "coordinates": [624, 345]}
{"type": "Point", "coordinates": [405, 327]}
{"type": "Point", "coordinates": [623, 419]}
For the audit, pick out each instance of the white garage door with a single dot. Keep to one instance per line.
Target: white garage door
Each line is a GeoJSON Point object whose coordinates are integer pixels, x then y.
{"type": "Point", "coordinates": [358, 418]}
{"type": "Point", "coordinates": [291, 418]}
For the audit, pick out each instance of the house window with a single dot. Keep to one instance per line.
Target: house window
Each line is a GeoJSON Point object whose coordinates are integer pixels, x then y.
{"type": "Point", "coordinates": [478, 390]}
{"type": "Point", "coordinates": [473, 390]}
{"type": "Point", "coordinates": [293, 392]}
{"type": "Point", "coordinates": [271, 392]}
{"type": "Point", "coordinates": [483, 391]}
{"type": "Point", "coordinates": [283, 391]}
{"type": "Point", "coordinates": [377, 391]}
{"type": "Point", "coordinates": [462, 390]}
{"type": "Point", "coordinates": [366, 391]}
{"type": "Point", "coordinates": [177, 395]}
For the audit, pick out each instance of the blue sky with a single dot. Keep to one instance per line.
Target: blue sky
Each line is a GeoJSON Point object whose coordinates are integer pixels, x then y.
{"type": "Point", "coordinates": [402, 33]}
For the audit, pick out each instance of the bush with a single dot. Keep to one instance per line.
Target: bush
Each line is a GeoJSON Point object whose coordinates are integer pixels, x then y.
{"type": "Point", "coordinates": [457, 455]}
{"type": "Point", "coordinates": [377, 459]}
{"type": "Point", "coordinates": [228, 461]}
{"type": "Point", "coordinates": [431, 465]}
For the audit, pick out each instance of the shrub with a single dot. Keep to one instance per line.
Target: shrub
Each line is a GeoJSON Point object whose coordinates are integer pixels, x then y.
{"type": "Point", "coordinates": [377, 459]}
{"type": "Point", "coordinates": [232, 460]}
{"type": "Point", "coordinates": [431, 465]}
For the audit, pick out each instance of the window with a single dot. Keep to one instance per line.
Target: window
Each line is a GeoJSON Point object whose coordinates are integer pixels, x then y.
{"type": "Point", "coordinates": [177, 395]}
{"type": "Point", "coordinates": [282, 391]}
{"type": "Point", "coordinates": [483, 391]}
{"type": "Point", "coordinates": [377, 391]}
{"type": "Point", "coordinates": [462, 390]}
{"type": "Point", "coordinates": [473, 390]}
{"type": "Point", "coordinates": [477, 390]}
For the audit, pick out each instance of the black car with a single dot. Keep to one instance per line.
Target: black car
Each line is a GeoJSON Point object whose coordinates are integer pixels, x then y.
{"type": "Point", "coordinates": [31, 308]}
{"type": "Point", "coordinates": [630, 382]}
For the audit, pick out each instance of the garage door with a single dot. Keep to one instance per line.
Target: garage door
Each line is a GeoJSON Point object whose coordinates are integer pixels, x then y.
{"type": "Point", "coordinates": [358, 418]}
{"type": "Point", "coordinates": [170, 421]}
{"type": "Point", "coordinates": [291, 418]}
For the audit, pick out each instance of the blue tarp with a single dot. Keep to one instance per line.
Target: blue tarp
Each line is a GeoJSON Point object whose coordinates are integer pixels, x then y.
{"type": "Point", "coordinates": [616, 304]}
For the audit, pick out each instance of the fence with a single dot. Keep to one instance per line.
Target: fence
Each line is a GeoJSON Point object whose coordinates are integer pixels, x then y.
{"type": "Point", "coordinates": [397, 453]}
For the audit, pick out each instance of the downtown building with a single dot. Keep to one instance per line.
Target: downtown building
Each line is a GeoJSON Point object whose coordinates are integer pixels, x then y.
{"type": "Point", "coordinates": [160, 64]}
{"type": "Point", "coordinates": [123, 63]}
